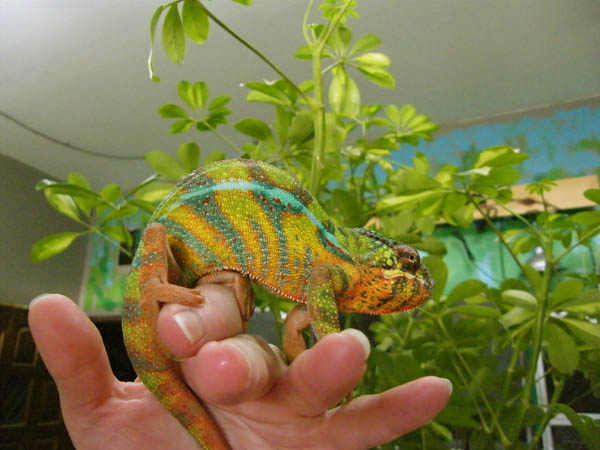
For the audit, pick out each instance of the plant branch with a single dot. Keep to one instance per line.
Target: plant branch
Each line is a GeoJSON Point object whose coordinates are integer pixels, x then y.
{"type": "Point", "coordinates": [319, 103]}
{"type": "Point", "coordinates": [224, 138]}
{"type": "Point", "coordinates": [254, 50]}
{"type": "Point", "coordinates": [587, 235]}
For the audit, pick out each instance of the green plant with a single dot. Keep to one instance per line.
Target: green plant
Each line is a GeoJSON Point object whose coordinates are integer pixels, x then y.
{"type": "Point", "coordinates": [486, 339]}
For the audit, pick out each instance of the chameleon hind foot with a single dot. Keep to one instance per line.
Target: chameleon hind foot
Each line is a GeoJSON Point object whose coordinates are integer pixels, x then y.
{"type": "Point", "coordinates": [242, 290]}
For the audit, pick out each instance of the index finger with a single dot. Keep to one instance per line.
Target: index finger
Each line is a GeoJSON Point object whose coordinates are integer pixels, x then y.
{"type": "Point", "coordinates": [72, 349]}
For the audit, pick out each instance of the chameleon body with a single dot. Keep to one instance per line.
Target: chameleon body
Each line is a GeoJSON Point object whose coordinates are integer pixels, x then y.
{"type": "Point", "coordinates": [253, 219]}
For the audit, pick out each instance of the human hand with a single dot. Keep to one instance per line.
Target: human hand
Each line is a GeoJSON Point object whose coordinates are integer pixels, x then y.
{"type": "Point", "coordinates": [257, 401]}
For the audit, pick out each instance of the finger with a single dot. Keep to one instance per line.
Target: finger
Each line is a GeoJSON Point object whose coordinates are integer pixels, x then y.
{"type": "Point", "coordinates": [184, 330]}
{"type": "Point", "coordinates": [234, 370]}
{"type": "Point", "coordinates": [73, 352]}
{"type": "Point", "coordinates": [372, 420]}
{"type": "Point", "coordinates": [323, 375]}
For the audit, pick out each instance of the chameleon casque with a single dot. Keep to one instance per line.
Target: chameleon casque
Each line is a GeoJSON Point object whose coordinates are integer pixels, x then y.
{"type": "Point", "coordinates": [237, 220]}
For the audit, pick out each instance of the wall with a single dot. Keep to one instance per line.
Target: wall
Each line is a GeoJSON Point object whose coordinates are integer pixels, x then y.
{"type": "Point", "coordinates": [26, 217]}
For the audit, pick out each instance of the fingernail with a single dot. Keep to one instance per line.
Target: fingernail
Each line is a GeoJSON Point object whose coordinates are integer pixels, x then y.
{"type": "Point", "coordinates": [37, 298]}
{"type": "Point", "coordinates": [360, 336]}
{"type": "Point", "coordinates": [190, 323]}
{"type": "Point", "coordinates": [449, 383]}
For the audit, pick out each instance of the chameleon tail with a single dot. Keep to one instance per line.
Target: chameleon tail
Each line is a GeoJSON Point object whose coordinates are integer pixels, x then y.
{"type": "Point", "coordinates": [161, 376]}
{"type": "Point", "coordinates": [148, 287]}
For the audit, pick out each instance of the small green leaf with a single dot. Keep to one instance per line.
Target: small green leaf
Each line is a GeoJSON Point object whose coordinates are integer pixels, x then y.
{"type": "Point", "coordinates": [200, 93]}
{"type": "Point", "coordinates": [254, 128]}
{"type": "Point", "coordinates": [304, 52]}
{"type": "Point", "coordinates": [110, 193]}
{"type": "Point", "coordinates": [499, 156]}
{"type": "Point", "coordinates": [516, 316]}
{"type": "Point", "coordinates": [565, 289]}
{"type": "Point", "coordinates": [534, 278]}
{"type": "Point", "coordinates": [172, 111]}
{"type": "Point", "coordinates": [153, 24]}
{"type": "Point", "coordinates": [244, 2]}
{"type": "Point", "coordinates": [195, 21]}
{"type": "Point", "coordinates": [154, 192]}
{"type": "Point", "coordinates": [519, 298]}
{"type": "Point", "coordinates": [405, 201]}
{"type": "Point", "coordinates": [589, 438]}
{"type": "Point", "coordinates": [173, 36]}
{"type": "Point", "coordinates": [378, 75]}
{"type": "Point", "coordinates": [586, 330]}
{"type": "Point", "coordinates": [118, 233]}
{"type": "Point", "coordinates": [375, 59]}
{"type": "Point", "coordinates": [465, 289]}
{"type": "Point", "coordinates": [562, 351]}
{"type": "Point", "coordinates": [216, 155]}
{"type": "Point", "coordinates": [344, 95]}
{"type": "Point", "coordinates": [432, 245]}
{"type": "Point", "coordinates": [586, 217]}
{"type": "Point", "coordinates": [366, 42]}
{"type": "Point", "coordinates": [218, 102]}
{"type": "Point", "coordinates": [189, 155]}
{"type": "Point", "coordinates": [51, 245]}
{"type": "Point", "coordinates": [63, 204]}
{"type": "Point", "coordinates": [186, 93]}
{"type": "Point", "coordinates": [72, 190]}
{"type": "Point", "coordinates": [84, 204]}
{"type": "Point", "coordinates": [301, 128]}
{"type": "Point", "coordinates": [165, 165]}
{"type": "Point", "coordinates": [439, 271]}
{"type": "Point", "coordinates": [181, 126]}
{"type": "Point", "coordinates": [593, 195]}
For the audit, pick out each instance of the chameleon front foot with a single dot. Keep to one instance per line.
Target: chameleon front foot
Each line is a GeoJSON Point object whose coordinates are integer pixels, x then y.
{"type": "Point", "coordinates": [296, 321]}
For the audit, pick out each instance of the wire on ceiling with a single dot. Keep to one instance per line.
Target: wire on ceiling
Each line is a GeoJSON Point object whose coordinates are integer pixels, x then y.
{"type": "Point", "coordinates": [68, 145]}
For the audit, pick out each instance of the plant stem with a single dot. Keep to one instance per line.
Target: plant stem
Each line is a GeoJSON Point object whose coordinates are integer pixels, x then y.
{"type": "Point", "coordinates": [495, 230]}
{"type": "Point", "coordinates": [254, 50]}
{"type": "Point", "coordinates": [224, 138]}
{"type": "Point", "coordinates": [318, 106]}
{"type": "Point", "coordinates": [558, 389]}
{"type": "Point", "coordinates": [540, 320]}
{"type": "Point", "coordinates": [305, 22]}
{"type": "Point", "coordinates": [590, 233]}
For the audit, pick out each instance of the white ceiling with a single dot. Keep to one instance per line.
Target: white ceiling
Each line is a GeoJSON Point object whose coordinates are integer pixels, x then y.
{"type": "Point", "coordinates": [76, 70]}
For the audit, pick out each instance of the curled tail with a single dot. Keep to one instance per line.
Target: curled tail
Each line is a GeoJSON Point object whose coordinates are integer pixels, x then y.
{"type": "Point", "coordinates": [161, 376]}
{"type": "Point", "coordinates": [147, 287]}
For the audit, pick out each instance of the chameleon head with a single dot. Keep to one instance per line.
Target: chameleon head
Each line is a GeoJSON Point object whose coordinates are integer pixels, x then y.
{"type": "Point", "coordinates": [392, 276]}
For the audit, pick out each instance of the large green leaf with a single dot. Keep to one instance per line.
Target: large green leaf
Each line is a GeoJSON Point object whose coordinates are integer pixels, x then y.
{"type": "Point", "coordinates": [366, 42]}
{"type": "Point", "coordinates": [165, 165]}
{"type": "Point", "coordinates": [587, 331]}
{"type": "Point", "coordinates": [519, 298]}
{"type": "Point", "coordinates": [189, 155]}
{"type": "Point", "coordinates": [254, 128]}
{"type": "Point", "coordinates": [51, 245]}
{"type": "Point", "coordinates": [587, 430]}
{"type": "Point", "coordinates": [173, 36]}
{"type": "Point", "coordinates": [465, 289]}
{"type": "Point", "coordinates": [153, 24]}
{"type": "Point", "coordinates": [344, 95]}
{"type": "Point", "coordinates": [195, 21]}
{"type": "Point", "coordinates": [499, 156]}
{"type": "Point", "coordinates": [562, 351]}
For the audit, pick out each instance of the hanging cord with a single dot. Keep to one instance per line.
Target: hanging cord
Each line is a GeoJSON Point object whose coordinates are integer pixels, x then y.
{"type": "Point", "coordinates": [68, 145]}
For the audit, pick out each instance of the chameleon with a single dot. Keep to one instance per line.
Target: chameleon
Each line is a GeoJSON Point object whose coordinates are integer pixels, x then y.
{"type": "Point", "coordinates": [239, 220]}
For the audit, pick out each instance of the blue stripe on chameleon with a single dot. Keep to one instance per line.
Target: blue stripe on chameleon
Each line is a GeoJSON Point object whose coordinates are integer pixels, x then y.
{"type": "Point", "coordinates": [270, 192]}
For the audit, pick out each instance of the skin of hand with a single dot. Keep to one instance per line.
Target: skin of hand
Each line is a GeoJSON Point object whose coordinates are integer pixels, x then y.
{"type": "Point", "coordinates": [257, 401]}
